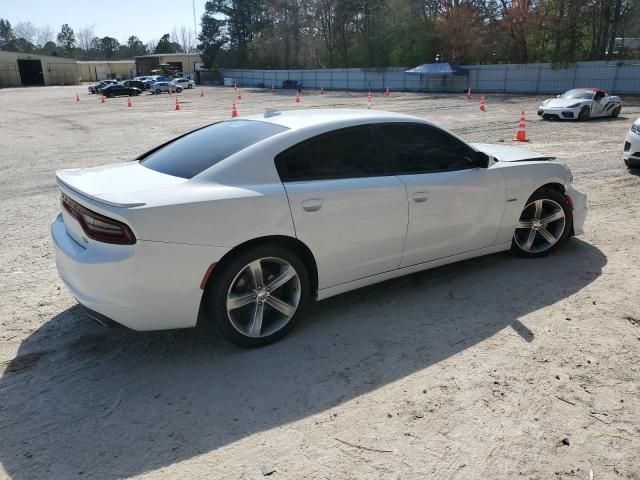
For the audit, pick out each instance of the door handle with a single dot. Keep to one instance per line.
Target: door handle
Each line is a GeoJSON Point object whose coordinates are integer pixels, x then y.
{"type": "Point", "coordinates": [420, 197]}
{"type": "Point", "coordinates": [312, 205]}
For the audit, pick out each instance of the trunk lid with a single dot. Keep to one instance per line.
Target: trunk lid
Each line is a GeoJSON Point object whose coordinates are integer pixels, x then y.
{"type": "Point", "coordinates": [115, 185]}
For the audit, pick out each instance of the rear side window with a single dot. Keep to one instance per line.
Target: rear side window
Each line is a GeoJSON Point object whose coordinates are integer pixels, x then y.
{"type": "Point", "coordinates": [193, 153]}
{"type": "Point", "coordinates": [347, 153]}
{"type": "Point", "coordinates": [423, 149]}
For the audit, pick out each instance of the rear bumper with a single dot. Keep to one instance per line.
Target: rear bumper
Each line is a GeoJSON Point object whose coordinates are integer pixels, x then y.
{"type": "Point", "coordinates": [145, 286]}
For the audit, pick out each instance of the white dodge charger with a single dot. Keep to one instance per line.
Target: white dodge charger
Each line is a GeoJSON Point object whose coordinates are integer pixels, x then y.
{"type": "Point", "coordinates": [242, 222]}
{"type": "Point", "coordinates": [580, 104]}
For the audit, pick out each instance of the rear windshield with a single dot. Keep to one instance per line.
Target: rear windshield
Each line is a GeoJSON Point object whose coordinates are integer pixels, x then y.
{"type": "Point", "coordinates": [193, 153]}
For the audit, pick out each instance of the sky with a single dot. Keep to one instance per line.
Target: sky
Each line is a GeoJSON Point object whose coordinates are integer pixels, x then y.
{"type": "Point", "coordinates": [147, 19]}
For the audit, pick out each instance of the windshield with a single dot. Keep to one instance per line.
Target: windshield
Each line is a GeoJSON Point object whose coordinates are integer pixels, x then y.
{"type": "Point", "coordinates": [193, 153]}
{"type": "Point", "coordinates": [578, 94]}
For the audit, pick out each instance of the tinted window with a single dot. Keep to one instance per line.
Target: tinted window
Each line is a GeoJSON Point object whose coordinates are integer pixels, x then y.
{"type": "Point", "coordinates": [420, 148]}
{"type": "Point", "coordinates": [193, 153]}
{"type": "Point", "coordinates": [578, 94]}
{"type": "Point", "coordinates": [348, 153]}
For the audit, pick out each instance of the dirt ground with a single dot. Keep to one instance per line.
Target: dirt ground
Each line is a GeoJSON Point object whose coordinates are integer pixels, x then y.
{"type": "Point", "coordinates": [494, 368]}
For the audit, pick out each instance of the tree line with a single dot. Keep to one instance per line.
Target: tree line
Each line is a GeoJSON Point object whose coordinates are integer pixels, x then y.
{"type": "Point", "coordinates": [383, 33]}
{"type": "Point", "coordinates": [368, 33]}
{"type": "Point", "coordinates": [83, 44]}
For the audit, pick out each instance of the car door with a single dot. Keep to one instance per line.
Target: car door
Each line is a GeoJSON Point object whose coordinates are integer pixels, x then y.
{"type": "Point", "coordinates": [455, 204]}
{"type": "Point", "coordinates": [600, 101]}
{"type": "Point", "coordinates": [346, 206]}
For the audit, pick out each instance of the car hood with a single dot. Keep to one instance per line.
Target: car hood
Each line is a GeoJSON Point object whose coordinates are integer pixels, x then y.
{"type": "Point", "coordinates": [115, 185]}
{"type": "Point", "coordinates": [504, 153]}
{"type": "Point", "coordinates": [563, 102]}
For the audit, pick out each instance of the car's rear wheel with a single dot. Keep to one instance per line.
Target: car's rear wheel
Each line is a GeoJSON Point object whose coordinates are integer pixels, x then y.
{"type": "Point", "coordinates": [257, 296]}
{"type": "Point", "coordinates": [178, 89]}
{"type": "Point", "coordinates": [158, 91]}
{"type": "Point", "coordinates": [584, 114]}
{"type": "Point", "coordinates": [190, 86]}
{"type": "Point", "coordinates": [616, 111]}
{"type": "Point", "coordinates": [544, 224]}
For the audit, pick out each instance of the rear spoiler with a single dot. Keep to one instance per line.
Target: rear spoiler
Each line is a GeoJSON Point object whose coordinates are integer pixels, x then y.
{"type": "Point", "coordinates": [121, 202]}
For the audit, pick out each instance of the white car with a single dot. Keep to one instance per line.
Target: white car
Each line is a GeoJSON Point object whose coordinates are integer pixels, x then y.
{"type": "Point", "coordinates": [632, 146]}
{"type": "Point", "coordinates": [184, 82]}
{"type": "Point", "coordinates": [159, 87]}
{"type": "Point", "coordinates": [580, 104]}
{"type": "Point", "coordinates": [246, 220]}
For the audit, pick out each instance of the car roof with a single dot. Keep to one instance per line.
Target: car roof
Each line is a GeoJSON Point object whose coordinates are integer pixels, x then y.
{"type": "Point", "coordinates": [330, 118]}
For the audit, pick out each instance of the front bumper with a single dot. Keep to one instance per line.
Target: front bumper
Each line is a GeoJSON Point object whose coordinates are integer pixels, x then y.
{"type": "Point", "coordinates": [555, 113]}
{"type": "Point", "coordinates": [145, 286]}
{"type": "Point", "coordinates": [632, 149]}
{"type": "Point", "coordinates": [579, 201]}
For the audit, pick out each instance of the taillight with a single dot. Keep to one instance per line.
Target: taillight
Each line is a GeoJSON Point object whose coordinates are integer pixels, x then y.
{"type": "Point", "coordinates": [98, 227]}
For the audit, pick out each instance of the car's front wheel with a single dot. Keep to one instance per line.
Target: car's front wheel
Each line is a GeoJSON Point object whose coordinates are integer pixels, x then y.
{"type": "Point", "coordinates": [544, 224]}
{"type": "Point", "coordinates": [178, 89]}
{"type": "Point", "coordinates": [257, 296]}
{"type": "Point", "coordinates": [190, 86]}
{"type": "Point", "coordinates": [158, 91]}
{"type": "Point", "coordinates": [584, 114]}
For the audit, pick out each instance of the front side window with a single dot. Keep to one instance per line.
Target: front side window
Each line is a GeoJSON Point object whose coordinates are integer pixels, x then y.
{"type": "Point", "coordinates": [419, 148]}
{"type": "Point", "coordinates": [347, 153]}
{"type": "Point", "coordinates": [193, 153]}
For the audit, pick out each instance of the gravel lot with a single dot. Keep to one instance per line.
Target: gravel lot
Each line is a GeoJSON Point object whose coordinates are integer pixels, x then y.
{"type": "Point", "coordinates": [494, 368]}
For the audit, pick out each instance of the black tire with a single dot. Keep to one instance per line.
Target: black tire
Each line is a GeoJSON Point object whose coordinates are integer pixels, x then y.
{"type": "Point", "coordinates": [190, 86]}
{"type": "Point", "coordinates": [178, 89]}
{"type": "Point", "coordinates": [215, 295]}
{"type": "Point", "coordinates": [616, 111]}
{"type": "Point", "coordinates": [158, 91]}
{"type": "Point", "coordinates": [585, 113]}
{"type": "Point", "coordinates": [552, 196]}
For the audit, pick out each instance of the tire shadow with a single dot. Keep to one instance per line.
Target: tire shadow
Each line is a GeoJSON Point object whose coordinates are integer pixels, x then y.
{"type": "Point", "coordinates": [115, 403]}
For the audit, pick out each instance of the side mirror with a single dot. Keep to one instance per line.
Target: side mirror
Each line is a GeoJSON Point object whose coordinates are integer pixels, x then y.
{"type": "Point", "coordinates": [483, 160]}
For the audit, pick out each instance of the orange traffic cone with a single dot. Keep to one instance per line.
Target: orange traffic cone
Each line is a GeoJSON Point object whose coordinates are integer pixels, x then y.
{"type": "Point", "coordinates": [387, 93]}
{"type": "Point", "coordinates": [77, 97]}
{"type": "Point", "coordinates": [169, 91]}
{"type": "Point", "coordinates": [321, 91]}
{"type": "Point", "coordinates": [297, 96]}
{"type": "Point", "coordinates": [369, 100]}
{"type": "Point", "coordinates": [469, 94]}
{"type": "Point", "coordinates": [482, 104]}
{"type": "Point", "coordinates": [521, 136]}
{"type": "Point", "coordinates": [129, 102]}
{"type": "Point", "coordinates": [234, 112]}
{"type": "Point", "coordinates": [202, 92]}
{"type": "Point", "coordinates": [239, 95]}
{"type": "Point", "coordinates": [101, 98]}
{"type": "Point", "coordinates": [177, 103]}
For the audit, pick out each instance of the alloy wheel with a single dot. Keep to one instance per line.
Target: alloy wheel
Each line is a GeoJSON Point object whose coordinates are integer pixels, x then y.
{"type": "Point", "coordinates": [541, 226]}
{"type": "Point", "coordinates": [263, 297]}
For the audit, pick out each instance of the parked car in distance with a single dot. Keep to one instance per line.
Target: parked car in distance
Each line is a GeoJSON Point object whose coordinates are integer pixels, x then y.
{"type": "Point", "coordinates": [100, 88]}
{"type": "Point", "coordinates": [184, 82]}
{"type": "Point", "coordinates": [155, 78]}
{"type": "Point", "coordinates": [246, 220]}
{"type": "Point", "coordinates": [134, 83]}
{"type": "Point", "coordinates": [160, 87]}
{"type": "Point", "coordinates": [632, 146]}
{"type": "Point", "coordinates": [580, 104]}
{"type": "Point", "coordinates": [118, 89]}
{"type": "Point", "coordinates": [102, 83]}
